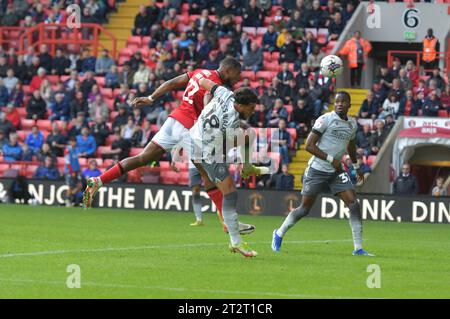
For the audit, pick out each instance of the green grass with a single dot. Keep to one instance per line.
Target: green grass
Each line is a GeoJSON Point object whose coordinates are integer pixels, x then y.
{"type": "Point", "coordinates": [137, 254]}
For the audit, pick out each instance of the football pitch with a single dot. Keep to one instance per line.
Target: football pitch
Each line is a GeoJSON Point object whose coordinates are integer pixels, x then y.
{"type": "Point", "coordinates": [141, 254]}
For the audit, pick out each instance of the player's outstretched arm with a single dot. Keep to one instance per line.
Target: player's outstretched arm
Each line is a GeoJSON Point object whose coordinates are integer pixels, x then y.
{"type": "Point", "coordinates": [207, 84]}
{"type": "Point", "coordinates": [311, 147]}
{"type": "Point", "coordinates": [168, 86]}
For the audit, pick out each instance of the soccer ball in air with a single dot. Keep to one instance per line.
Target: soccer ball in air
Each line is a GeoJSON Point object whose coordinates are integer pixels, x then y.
{"type": "Point", "coordinates": [331, 66]}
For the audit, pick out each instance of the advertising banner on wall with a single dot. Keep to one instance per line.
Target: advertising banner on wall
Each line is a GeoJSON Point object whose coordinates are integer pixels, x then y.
{"type": "Point", "coordinates": [413, 121]}
{"type": "Point", "coordinates": [172, 198]}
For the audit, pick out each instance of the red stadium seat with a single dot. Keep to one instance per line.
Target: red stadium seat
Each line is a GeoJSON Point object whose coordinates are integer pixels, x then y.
{"type": "Point", "coordinates": [22, 135]}
{"type": "Point", "coordinates": [44, 125]}
{"type": "Point", "coordinates": [169, 177]}
{"type": "Point", "coordinates": [164, 165]}
{"type": "Point", "coordinates": [183, 178]}
{"type": "Point", "coordinates": [268, 75]}
{"type": "Point", "coordinates": [442, 113]}
{"type": "Point", "coordinates": [371, 160]}
{"type": "Point", "coordinates": [109, 140]}
{"type": "Point", "coordinates": [103, 149]}
{"type": "Point", "coordinates": [3, 168]}
{"type": "Point", "coordinates": [135, 151]}
{"type": "Point", "coordinates": [136, 40]}
{"type": "Point", "coordinates": [30, 170]}
{"type": "Point", "coordinates": [106, 93]}
{"type": "Point", "coordinates": [82, 161]}
{"type": "Point", "coordinates": [108, 162]}
{"type": "Point", "coordinates": [100, 81]}
{"type": "Point", "coordinates": [53, 79]}
{"type": "Point", "coordinates": [248, 74]}
{"type": "Point", "coordinates": [26, 124]}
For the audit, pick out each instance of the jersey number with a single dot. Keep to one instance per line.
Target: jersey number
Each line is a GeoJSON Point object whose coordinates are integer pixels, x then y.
{"type": "Point", "coordinates": [211, 122]}
{"type": "Point", "coordinates": [191, 89]}
{"type": "Point", "coordinates": [344, 177]}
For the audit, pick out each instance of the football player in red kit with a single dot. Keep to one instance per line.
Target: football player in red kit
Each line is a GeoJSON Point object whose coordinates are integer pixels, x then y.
{"type": "Point", "coordinates": [174, 128]}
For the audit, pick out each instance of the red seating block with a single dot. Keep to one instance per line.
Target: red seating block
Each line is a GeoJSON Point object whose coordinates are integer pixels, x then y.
{"type": "Point", "coordinates": [135, 151]}
{"type": "Point", "coordinates": [106, 93]}
{"type": "Point", "coordinates": [26, 124]}
{"type": "Point", "coordinates": [248, 74]}
{"type": "Point", "coordinates": [442, 113]}
{"type": "Point", "coordinates": [44, 125]}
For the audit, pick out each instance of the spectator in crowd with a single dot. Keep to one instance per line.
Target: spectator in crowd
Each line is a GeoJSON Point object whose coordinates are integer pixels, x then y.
{"type": "Point", "coordinates": [47, 170]}
{"type": "Point", "coordinates": [406, 183]}
{"type": "Point", "coordinates": [142, 22]}
{"type": "Point", "coordinates": [395, 69]}
{"type": "Point", "coordinates": [46, 60]}
{"type": "Point", "coordinates": [296, 25]}
{"type": "Point", "coordinates": [300, 119]}
{"type": "Point", "coordinates": [435, 76]}
{"type": "Point", "coordinates": [285, 75]}
{"type": "Point", "coordinates": [364, 168]}
{"type": "Point", "coordinates": [100, 130]}
{"type": "Point", "coordinates": [364, 139]}
{"type": "Point", "coordinates": [348, 11]}
{"type": "Point", "coordinates": [431, 105]}
{"type": "Point", "coordinates": [390, 106]}
{"type": "Point", "coordinates": [412, 73]}
{"type": "Point", "coordinates": [35, 139]}
{"type": "Point", "coordinates": [378, 137]}
{"type": "Point", "coordinates": [351, 171]}
{"type": "Point", "coordinates": [162, 117]}
{"type": "Point", "coordinates": [131, 133]}
{"type": "Point", "coordinates": [4, 95]}
{"type": "Point", "coordinates": [284, 181]}
{"type": "Point", "coordinates": [316, 15]}
{"type": "Point", "coordinates": [19, 190]}
{"type": "Point", "coordinates": [112, 78]}
{"type": "Point", "coordinates": [314, 59]}
{"type": "Point", "coordinates": [87, 84]}
{"type": "Point", "coordinates": [270, 39]}
{"type": "Point", "coordinates": [389, 123]}
{"type": "Point", "coordinates": [120, 148]}
{"type": "Point", "coordinates": [203, 47]}
{"type": "Point", "coordinates": [56, 140]}
{"type": "Point", "coordinates": [282, 142]}
{"type": "Point", "coordinates": [397, 89]}
{"type": "Point", "coordinates": [6, 126]}
{"type": "Point", "coordinates": [86, 145]}
{"type": "Point", "coordinates": [10, 18]}
{"type": "Point", "coordinates": [141, 75]}
{"type": "Point", "coordinates": [407, 103]}
{"type": "Point", "coordinates": [98, 108]}
{"type": "Point", "coordinates": [253, 60]}
{"type": "Point", "coordinates": [12, 115]}
{"type": "Point", "coordinates": [78, 105]}
{"type": "Point", "coordinates": [369, 107]}
{"type": "Point", "coordinates": [419, 101]}
{"type": "Point", "coordinates": [60, 64]}
{"type": "Point", "coordinates": [86, 62]}
{"type": "Point", "coordinates": [252, 15]}
{"type": "Point", "coordinates": [10, 80]}
{"type": "Point", "coordinates": [37, 80]}
{"type": "Point", "coordinates": [277, 113]}
{"type": "Point", "coordinates": [258, 119]}
{"type": "Point", "coordinates": [44, 152]}
{"type": "Point", "coordinates": [92, 170]}
{"type": "Point", "coordinates": [126, 76]}
{"type": "Point", "coordinates": [405, 82]}
{"type": "Point", "coordinates": [356, 50]}
{"type": "Point", "coordinates": [122, 118]}
{"type": "Point", "coordinates": [12, 151]}
{"type": "Point", "coordinates": [104, 63]}
{"type": "Point", "coordinates": [385, 79]}
{"type": "Point", "coordinates": [336, 27]}
{"type": "Point", "coordinates": [3, 140]}
{"type": "Point", "coordinates": [16, 98]}
{"type": "Point", "coordinates": [60, 108]}
{"type": "Point", "coordinates": [439, 190]}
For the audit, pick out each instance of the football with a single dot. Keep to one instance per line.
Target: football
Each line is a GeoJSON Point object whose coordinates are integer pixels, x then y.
{"type": "Point", "coordinates": [331, 66]}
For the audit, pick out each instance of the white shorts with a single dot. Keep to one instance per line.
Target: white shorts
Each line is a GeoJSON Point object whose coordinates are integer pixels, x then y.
{"type": "Point", "coordinates": [170, 134]}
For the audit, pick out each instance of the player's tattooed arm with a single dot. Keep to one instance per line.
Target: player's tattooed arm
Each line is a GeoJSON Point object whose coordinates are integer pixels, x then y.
{"type": "Point", "coordinates": [351, 150]}
{"type": "Point", "coordinates": [311, 147]}
{"type": "Point", "coordinates": [168, 86]}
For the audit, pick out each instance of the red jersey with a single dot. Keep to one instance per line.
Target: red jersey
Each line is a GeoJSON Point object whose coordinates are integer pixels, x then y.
{"type": "Point", "coordinates": [192, 104]}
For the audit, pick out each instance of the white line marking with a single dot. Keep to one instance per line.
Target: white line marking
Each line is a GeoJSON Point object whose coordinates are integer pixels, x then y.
{"type": "Point", "coordinates": [179, 289]}
{"type": "Point", "coordinates": [168, 246]}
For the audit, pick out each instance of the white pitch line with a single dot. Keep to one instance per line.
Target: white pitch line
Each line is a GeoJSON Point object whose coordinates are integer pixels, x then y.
{"type": "Point", "coordinates": [179, 289]}
{"type": "Point", "coordinates": [168, 246]}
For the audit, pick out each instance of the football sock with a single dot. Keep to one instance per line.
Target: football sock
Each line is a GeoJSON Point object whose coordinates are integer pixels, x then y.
{"type": "Point", "coordinates": [230, 217]}
{"type": "Point", "coordinates": [216, 196]}
{"type": "Point", "coordinates": [111, 174]}
{"type": "Point", "coordinates": [355, 221]}
{"type": "Point", "coordinates": [293, 217]}
{"type": "Point", "coordinates": [197, 204]}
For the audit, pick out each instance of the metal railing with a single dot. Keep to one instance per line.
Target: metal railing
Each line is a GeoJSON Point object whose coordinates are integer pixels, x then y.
{"type": "Point", "coordinates": [57, 35]}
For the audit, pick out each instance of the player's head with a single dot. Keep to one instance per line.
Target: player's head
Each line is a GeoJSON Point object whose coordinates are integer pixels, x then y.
{"type": "Point", "coordinates": [342, 103]}
{"type": "Point", "coordinates": [230, 70]}
{"type": "Point", "coordinates": [245, 102]}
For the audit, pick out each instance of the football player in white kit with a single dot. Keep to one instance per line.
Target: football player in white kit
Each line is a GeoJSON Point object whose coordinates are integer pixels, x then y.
{"type": "Point", "coordinates": [332, 135]}
{"type": "Point", "coordinates": [218, 120]}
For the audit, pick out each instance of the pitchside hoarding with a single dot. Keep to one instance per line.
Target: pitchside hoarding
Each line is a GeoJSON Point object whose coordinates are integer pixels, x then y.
{"type": "Point", "coordinates": [151, 197]}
